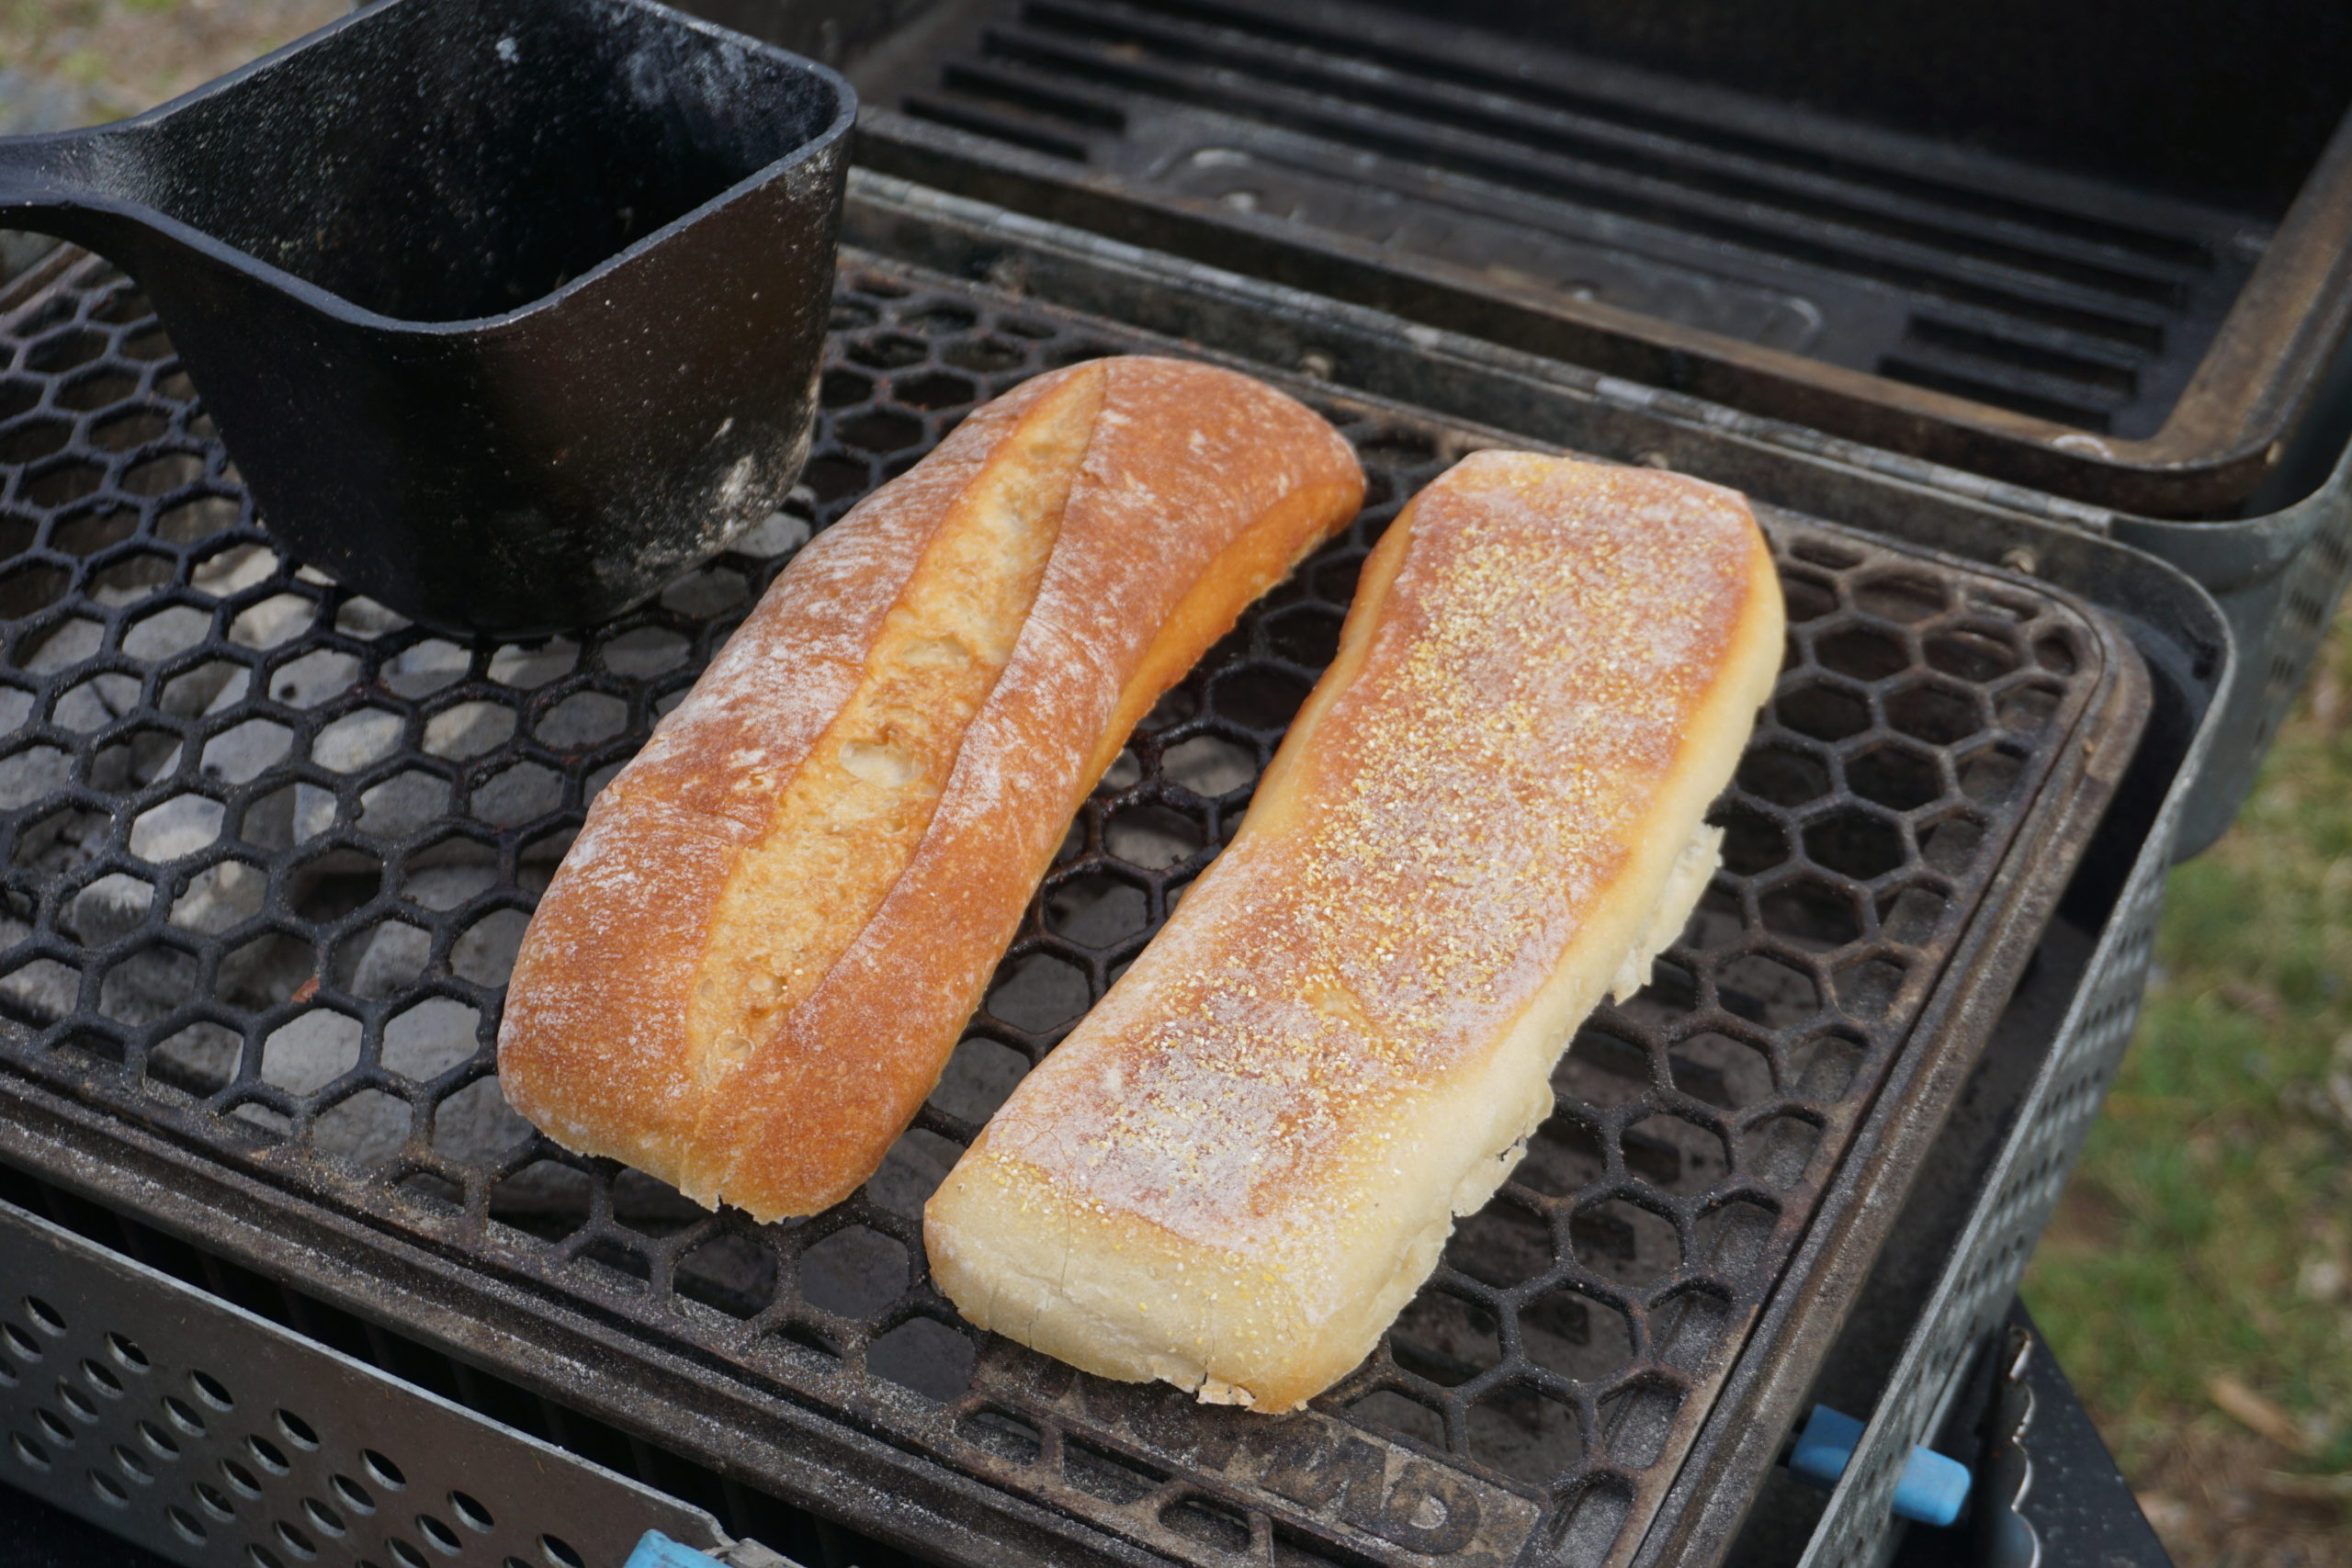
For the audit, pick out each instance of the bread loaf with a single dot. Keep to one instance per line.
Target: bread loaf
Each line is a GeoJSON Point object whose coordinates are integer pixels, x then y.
{"type": "Point", "coordinates": [1489, 812]}
{"type": "Point", "coordinates": [757, 957]}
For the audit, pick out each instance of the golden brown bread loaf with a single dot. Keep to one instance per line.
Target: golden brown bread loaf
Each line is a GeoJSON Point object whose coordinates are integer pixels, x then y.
{"type": "Point", "coordinates": [757, 957]}
{"type": "Point", "coordinates": [1490, 811]}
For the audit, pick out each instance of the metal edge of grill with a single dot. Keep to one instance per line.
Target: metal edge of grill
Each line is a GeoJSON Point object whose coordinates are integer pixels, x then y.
{"type": "Point", "coordinates": [1865, 285]}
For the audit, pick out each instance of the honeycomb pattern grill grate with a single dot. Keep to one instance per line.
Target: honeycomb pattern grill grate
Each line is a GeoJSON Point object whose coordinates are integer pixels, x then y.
{"type": "Point", "coordinates": [267, 850]}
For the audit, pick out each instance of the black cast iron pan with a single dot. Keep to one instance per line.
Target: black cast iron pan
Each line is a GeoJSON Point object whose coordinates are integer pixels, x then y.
{"type": "Point", "coordinates": [509, 311]}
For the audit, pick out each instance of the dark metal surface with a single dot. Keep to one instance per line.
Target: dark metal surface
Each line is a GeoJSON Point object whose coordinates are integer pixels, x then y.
{"type": "Point", "coordinates": [214, 1436]}
{"type": "Point", "coordinates": [2079, 1506]}
{"type": "Point", "coordinates": [35, 1534]}
{"type": "Point", "coordinates": [271, 849]}
{"type": "Point", "coordinates": [509, 311]}
{"type": "Point", "coordinates": [2249, 92]}
{"type": "Point", "coordinates": [2097, 337]}
{"type": "Point", "coordinates": [1561, 176]}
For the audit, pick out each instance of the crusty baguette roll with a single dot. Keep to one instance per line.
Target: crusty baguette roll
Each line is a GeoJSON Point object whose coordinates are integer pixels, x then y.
{"type": "Point", "coordinates": [761, 949]}
{"type": "Point", "coordinates": [1237, 1170]}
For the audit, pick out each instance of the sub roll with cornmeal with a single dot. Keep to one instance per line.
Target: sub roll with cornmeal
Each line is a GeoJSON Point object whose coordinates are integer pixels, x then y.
{"type": "Point", "coordinates": [1489, 815]}
{"type": "Point", "coordinates": [758, 955]}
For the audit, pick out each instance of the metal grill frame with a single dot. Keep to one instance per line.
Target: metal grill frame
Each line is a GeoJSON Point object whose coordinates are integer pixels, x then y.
{"type": "Point", "coordinates": [1564, 178]}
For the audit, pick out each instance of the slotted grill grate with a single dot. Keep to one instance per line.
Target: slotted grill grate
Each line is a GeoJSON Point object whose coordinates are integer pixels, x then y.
{"type": "Point", "coordinates": [269, 849]}
{"type": "Point", "coordinates": [1536, 169]}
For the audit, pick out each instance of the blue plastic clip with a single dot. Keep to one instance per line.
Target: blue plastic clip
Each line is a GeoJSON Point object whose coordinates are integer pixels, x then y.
{"type": "Point", "coordinates": [655, 1549]}
{"type": "Point", "coordinates": [1931, 1490]}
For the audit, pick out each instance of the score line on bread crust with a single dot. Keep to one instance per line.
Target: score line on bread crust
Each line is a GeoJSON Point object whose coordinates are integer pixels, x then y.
{"type": "Point", "coordinates": [1489, 814]}
{"type": "Point", "coordinates": [757, 957]}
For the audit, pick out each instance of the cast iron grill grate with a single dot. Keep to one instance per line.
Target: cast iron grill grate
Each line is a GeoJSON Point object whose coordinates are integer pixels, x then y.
{"type": "Point", "coordinates": [1537, 169]}
{"type": "Point", "coordinates": [268, 851]}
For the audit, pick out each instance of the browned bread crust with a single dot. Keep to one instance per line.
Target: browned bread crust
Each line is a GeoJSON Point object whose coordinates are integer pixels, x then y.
{"type": "Point", "coordinates": [754, 962]}
{"type": "Point", "coordinates": [1490, 813]}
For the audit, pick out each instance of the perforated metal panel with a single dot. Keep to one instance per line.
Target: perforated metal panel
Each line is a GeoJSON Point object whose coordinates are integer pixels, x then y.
{"type": "Point", "coordinates": [1989, 1258]}
{"type": "Point", "coordinates": [270, 850]}
{"type": "Point", "coordinates": [214, 1436]}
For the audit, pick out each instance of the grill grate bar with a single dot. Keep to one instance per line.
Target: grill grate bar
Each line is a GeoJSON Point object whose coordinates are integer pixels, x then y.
{"type": "Point", "coordinates": [1024, 119]}
{"type": "Point", "coordinates": [1996, 377]}
{"type": "Point", "coordinates": [1073, 102]}
{"type": "Point", "coordinates": [2092, 364]}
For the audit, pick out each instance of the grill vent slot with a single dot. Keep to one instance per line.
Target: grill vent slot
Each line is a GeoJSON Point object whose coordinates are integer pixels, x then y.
{"type": "Point", "coordinates": [2070, 387]}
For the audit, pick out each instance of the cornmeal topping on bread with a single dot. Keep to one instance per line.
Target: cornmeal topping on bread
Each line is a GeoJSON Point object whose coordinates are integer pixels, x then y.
{"type": "Point", "coordinates": [756, 959]}
{"type": "Point", "coordinates": [1488, 814]}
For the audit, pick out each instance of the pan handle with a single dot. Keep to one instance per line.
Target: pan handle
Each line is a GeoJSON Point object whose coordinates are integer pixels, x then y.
{"type": "Point", "coordinates": [55, 185]}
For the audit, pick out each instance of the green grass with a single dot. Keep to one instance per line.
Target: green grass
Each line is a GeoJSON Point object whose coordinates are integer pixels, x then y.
{"type": "Point", "coordinates": [2208, 1230]}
